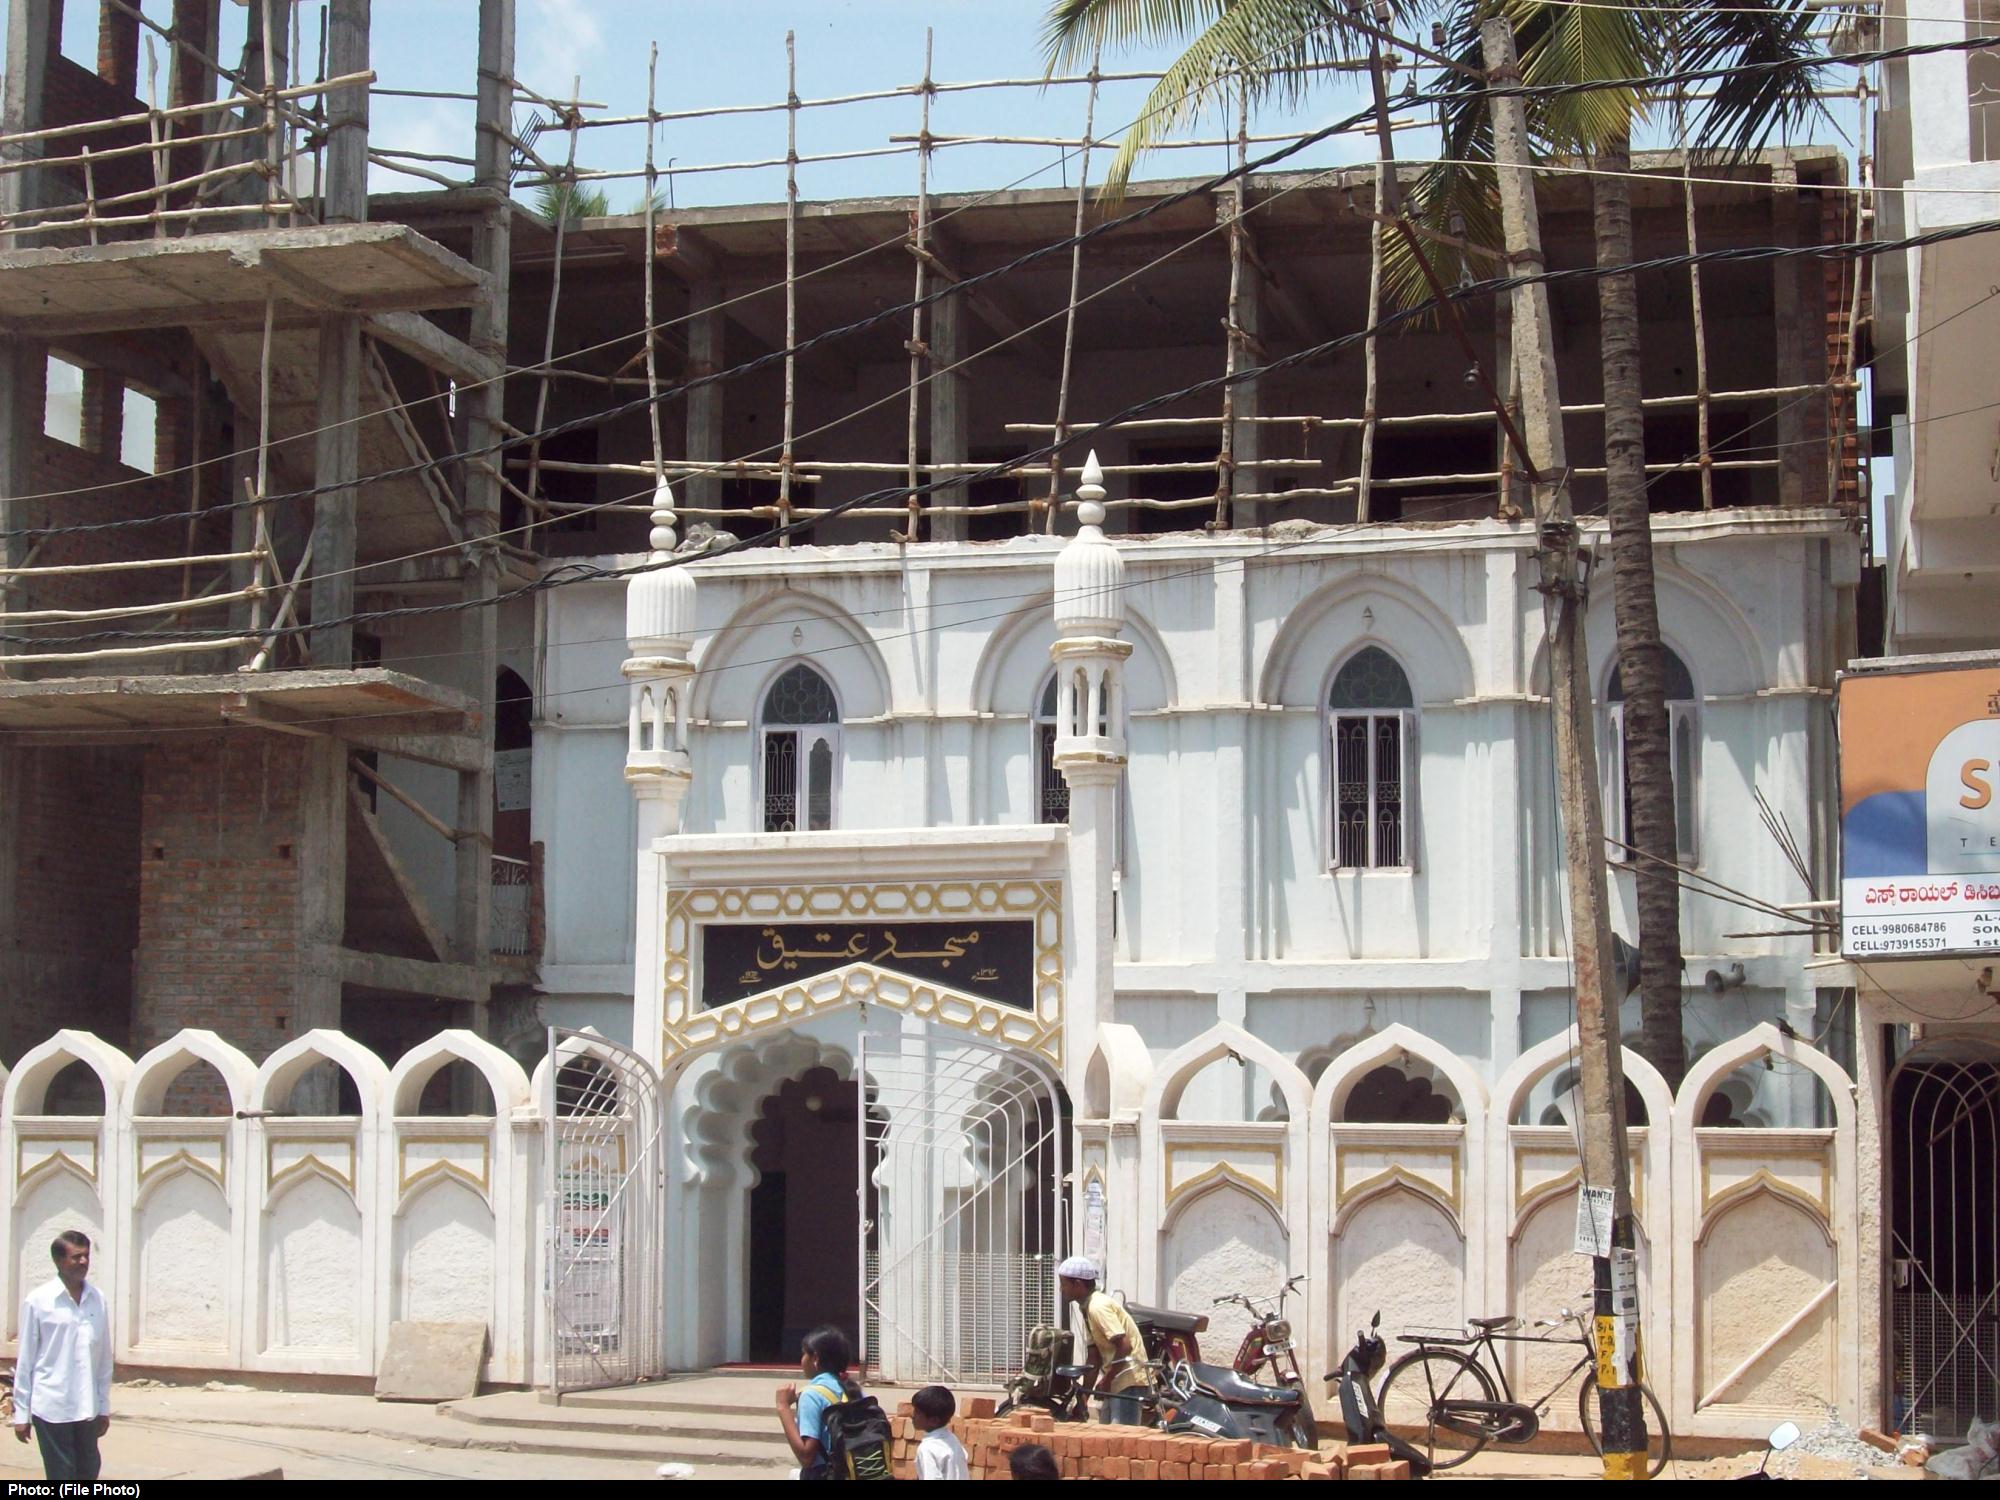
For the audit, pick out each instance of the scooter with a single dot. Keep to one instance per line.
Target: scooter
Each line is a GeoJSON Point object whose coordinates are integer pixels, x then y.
{"type": "Point", "coordinates": [1358, 1410]}
{"type": "Point", "coordinates": [1218, 1403]}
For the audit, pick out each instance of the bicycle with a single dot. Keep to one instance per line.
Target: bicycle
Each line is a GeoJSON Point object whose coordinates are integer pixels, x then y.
{"type": "Point", "coordinates": [1449, 1397]}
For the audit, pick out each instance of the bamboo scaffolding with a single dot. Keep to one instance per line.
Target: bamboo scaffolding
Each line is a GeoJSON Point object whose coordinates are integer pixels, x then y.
{"type": "Point", "coordinates": [287, 607]}
{"type": "Point", "coordinates": [121, 565]}
{"type": "Point", "coordinates": [1060, 429]}
{"type": "Point", "coordinates": [750, 468]}
{"type": "Point", "coordinates": [429, 819]}
{"type": "Point", "coordinates": [164, 648]}
{"type": "Point", "coordinates": [184, 603]}
{"type": "Point", "coordinates": [172, 112]}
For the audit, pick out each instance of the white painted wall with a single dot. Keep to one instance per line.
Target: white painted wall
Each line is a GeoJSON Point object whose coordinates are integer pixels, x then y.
{"type": "Point", "coordinates": [1225, 908]}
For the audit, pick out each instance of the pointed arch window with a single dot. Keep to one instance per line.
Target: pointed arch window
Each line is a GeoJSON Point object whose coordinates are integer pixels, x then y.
{"type": "Point", "coordinates": [1684, 753]}
{"type": "Point", "coordinates": [800, 728]}
{"type": "Point", "coordinates": [1051, 791]}
{"type": "Point", "coordinates": [1370, 716]}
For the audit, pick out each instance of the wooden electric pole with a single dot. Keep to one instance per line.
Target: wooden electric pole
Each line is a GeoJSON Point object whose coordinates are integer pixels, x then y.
{"type": "Point", "coordinates": [1607, 1186]}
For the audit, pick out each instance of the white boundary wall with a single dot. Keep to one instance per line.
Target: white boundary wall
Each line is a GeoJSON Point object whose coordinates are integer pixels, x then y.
{"type": "Point", "coordinates": [255, 1240]}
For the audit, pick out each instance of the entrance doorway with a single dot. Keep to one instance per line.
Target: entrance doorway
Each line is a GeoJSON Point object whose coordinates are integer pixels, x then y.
{"type": "Point", "coordinates": [1944, 1220]}
{"type": "Point", "coordinates": [804, 1266]}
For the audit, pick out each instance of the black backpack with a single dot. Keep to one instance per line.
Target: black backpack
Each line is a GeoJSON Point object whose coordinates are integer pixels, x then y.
{"type": "Point", "coordinates": [858, 1438]}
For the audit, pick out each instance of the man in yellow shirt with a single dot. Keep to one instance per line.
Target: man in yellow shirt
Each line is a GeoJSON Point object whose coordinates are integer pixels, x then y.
{"type": "Point", "coordinates": [1116, 1363]}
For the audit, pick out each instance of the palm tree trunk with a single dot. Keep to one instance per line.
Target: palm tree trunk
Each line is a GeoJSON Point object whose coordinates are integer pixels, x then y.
{"type": "Point", "coordinates": [1641, 662]}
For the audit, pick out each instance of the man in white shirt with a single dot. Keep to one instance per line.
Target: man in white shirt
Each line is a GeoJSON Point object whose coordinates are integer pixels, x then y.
{"type": "Point", "coordinates": [62, 1379]}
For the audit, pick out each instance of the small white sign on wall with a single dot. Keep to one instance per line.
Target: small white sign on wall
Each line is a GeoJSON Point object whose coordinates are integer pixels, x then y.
{"type": "Point", "coordinates": [513, 780]}
{"type": "Point", "coordinates": [1593, 1221]}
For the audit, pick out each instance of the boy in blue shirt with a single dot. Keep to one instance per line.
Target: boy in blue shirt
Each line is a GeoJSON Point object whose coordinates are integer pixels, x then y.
{"type": "Point", "coordinates": [823, 1360]}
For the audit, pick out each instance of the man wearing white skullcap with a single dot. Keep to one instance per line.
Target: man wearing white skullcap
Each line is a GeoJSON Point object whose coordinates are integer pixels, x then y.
{"type": "Point", "coordinates": [1116, 1345]}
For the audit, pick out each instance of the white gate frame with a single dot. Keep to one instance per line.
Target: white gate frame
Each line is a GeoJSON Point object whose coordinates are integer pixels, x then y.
{"type": "Point", "coordinates": [973, 1304]}
{"type": "Point", "coordinates": [603, 1246]}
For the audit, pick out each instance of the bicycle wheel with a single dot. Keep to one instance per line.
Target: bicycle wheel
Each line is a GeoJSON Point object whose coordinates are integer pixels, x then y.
{"type": "Point", "coordinates": [1659, 1441]}
{"type": "Point", "coordinates": [1414, 1389]}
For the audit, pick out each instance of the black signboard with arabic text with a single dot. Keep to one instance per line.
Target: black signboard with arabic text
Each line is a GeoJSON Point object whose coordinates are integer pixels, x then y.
{"type": "Point", "coordinates": [992, 960]}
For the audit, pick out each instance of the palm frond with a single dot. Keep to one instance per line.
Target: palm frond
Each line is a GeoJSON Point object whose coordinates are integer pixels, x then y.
{"type": "Point", "coordinates": [560, 201]}
{"type": "Point", "coordinates": [1749, 109]}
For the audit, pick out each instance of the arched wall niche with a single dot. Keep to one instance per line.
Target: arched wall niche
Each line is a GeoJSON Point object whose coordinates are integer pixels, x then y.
{"type": "Point", "coordinates": [1016, 661]}
{"type": "Point", "coordinates": [1226, 1234]}
{"type": "Point", "coordinates": [1170, 1081]}
{"type": "Point", "coordinates": [1364, 608]}
{"type": "Point", "coordinates": [1389, 1047]}
{"type": "Point", "coordinates": [1704, 628]}
{"type": "Point", "coordinates": [762, 631]}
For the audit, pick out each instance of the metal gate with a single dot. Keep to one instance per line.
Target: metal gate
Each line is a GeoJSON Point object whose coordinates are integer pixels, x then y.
{"type": "Point", "coordinates": [1945, 1233]}
{"type": "Point", "coordinates": [604, 1191]}
{"type": "Point", "coordinates": [961, 1144]}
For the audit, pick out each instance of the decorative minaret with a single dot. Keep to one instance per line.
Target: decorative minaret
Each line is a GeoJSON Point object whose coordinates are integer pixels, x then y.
{"type": "Point", "coordinates": [1090, 752]}
{"type": "Point", "coordinates": [659, 629]}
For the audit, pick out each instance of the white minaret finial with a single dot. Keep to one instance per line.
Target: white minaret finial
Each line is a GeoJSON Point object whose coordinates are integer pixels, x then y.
{"type": "Point", "coordinates": [663, 536]}
{"type": "Point", "coordinates": [1090, 494]}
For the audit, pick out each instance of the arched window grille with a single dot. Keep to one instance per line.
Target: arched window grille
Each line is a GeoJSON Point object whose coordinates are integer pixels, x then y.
{"type": "Point", "coordinates": [1684, 741]}
{"type": "Point", "coordinates": [801, 745]}
{"type": "Point", "coordinates": [1370, 714]}
{"type": "Point", "coordinates": [1051, 791]}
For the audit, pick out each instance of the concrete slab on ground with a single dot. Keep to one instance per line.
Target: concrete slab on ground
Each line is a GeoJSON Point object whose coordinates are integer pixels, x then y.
{"type": "Point", "coordinates": [431, 1362]}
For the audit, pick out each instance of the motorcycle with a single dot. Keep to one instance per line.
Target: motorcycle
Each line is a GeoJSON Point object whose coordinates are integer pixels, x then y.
{"type": "Point", "coordinates": [1782, 1437]}
{"type": "Point", "coordinates": [1048, 1379]}
{"type": "Point", "coordinates": [1218, 1403]}
{"type": "Point", "coordinates": [1358, 1409]}
{"type": "Point", "coordinates": [1171, 1337]}
{"type": "Point", "coordinates": [1267, 1344]}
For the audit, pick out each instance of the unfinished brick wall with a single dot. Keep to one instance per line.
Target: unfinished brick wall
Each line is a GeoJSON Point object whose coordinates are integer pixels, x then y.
{"type": "Point", "coordinates": [60, 467]}
{"type": "Point", "coordinates": [76, 902]}
{"type": "Point", "coordinates": [220, 887]}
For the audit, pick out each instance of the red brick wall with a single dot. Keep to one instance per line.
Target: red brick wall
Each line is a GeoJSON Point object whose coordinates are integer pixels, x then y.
{"type": "Point", "coordinates": [77, 898]}
{"type": "Point", "coordinates": [219, 889]}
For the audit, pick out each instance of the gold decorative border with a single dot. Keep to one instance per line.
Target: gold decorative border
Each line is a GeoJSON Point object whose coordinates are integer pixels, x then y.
{"type": "Point", "coordinates": [1763, 1180]}
{"type": "Point", "coordinates": [1397, 1173]}
{"type": "Point", "coordinates": [1276, 1152]}
{"type": "Point", "coordinates": [1525, 1199]}
{"type": "Point", "coordinates": [1222, 1171]}
{"type": "Point", "coordinates": [182, 1158]}
{"type": "Point", "coordinates": [54, 1161]}
{"type": "Point", "coordinates": [310, 1162]}
{"type": "Point", "coordinates": [685, 1028]}
{"type": "Point", "coordinates": [406, 1179]}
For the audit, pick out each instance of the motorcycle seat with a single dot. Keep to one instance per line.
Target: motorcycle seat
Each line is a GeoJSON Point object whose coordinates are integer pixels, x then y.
{"type": "Point", "coordinates": [1230, 1386]}
{"type": "Point", "coordinates": [1071, 1372]}
{"type": "Point", "coordinates": [1492, 1323]}
{"type": "Point", "coordinates": [1166, 1318]}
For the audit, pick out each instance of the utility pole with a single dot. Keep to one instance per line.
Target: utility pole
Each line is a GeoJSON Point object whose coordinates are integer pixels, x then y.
{"type": "Point", "coordinates": [1606, 1160]}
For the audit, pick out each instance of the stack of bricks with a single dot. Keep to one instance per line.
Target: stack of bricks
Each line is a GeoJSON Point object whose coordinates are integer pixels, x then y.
{"type": "Point", "coordinates": [1092, 1451]}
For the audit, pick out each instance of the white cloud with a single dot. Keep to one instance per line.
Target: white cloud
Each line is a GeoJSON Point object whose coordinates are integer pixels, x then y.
{"type": "Point", "coordinates": [560, 41]}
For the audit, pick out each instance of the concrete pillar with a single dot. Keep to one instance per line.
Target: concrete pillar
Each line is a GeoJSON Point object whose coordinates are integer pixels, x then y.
{"type": "Point", "coordinates": [195, 23]}
{"type": "Point", "coordinates": [950, 410]}
{"type": "Point", "coordinates": [707, 337]}
{"type": "Point", "coordinates": [33, 31]}
{"type": "Point", "coordinates": [346, 188]}
{"type": "Point", "coordinates": [1796, 457]}
{"type": "Point", "coordinates": [336, 467]}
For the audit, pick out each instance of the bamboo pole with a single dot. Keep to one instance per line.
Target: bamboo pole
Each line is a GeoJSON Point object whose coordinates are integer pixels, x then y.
{"type": "Point", "coordinates": [566, 204]}
{"type": "Point", "coordinates": [260, 99]}
{"type": "Point", "coordinates": [164, 648]}
{"type": "Point", "coordinates": [122, 565]}
{"type": "Point", "coordinates": [652, 257]}
{"type": "Point", "coordinates": [785, 456]}
{"type": "Point", "coordinates": [1233, 346]}
{"type": "Point", "coordinates": [1370, 351]}
{"type": "Point", "coordinates": [424, 815]}
{"type": "Point", "coordinates": [1054, 503]}
{"type": "Point", "coordinates": [288, 606]}
{"type": "Point", "coordinates": [188, 601]}
{"type": "Point", "coordinates": [920, 239]}
{"type": "Point", "coordinates": [89, 193]}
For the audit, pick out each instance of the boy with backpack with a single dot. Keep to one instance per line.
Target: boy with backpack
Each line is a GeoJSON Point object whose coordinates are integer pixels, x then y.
{"type": "Point", "coordinates": [940, 1455]}
{"type": "Point", "coordinates": [834, 1431]}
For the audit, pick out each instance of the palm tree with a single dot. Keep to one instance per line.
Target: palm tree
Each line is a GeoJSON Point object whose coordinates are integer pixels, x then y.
{"type": "Point", "coordinates": [557, 201]}
{"type": "Point", "coordinates": [1265, 41]}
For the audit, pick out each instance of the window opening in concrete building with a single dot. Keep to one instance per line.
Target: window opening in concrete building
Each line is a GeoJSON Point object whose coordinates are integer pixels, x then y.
{"type": "Point", "coordinates": [138, 446]}
{"type": "Point", "coordinates": [62, 411]}
{"type": "Point", "coordinates": [1369, 711]}
{"type": "Point", "coordinates": [1172, 484]}
{"type": "Point", "coordinates": [801, 737]}
{"type": "Point", "coordinates": [1683, 730]}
